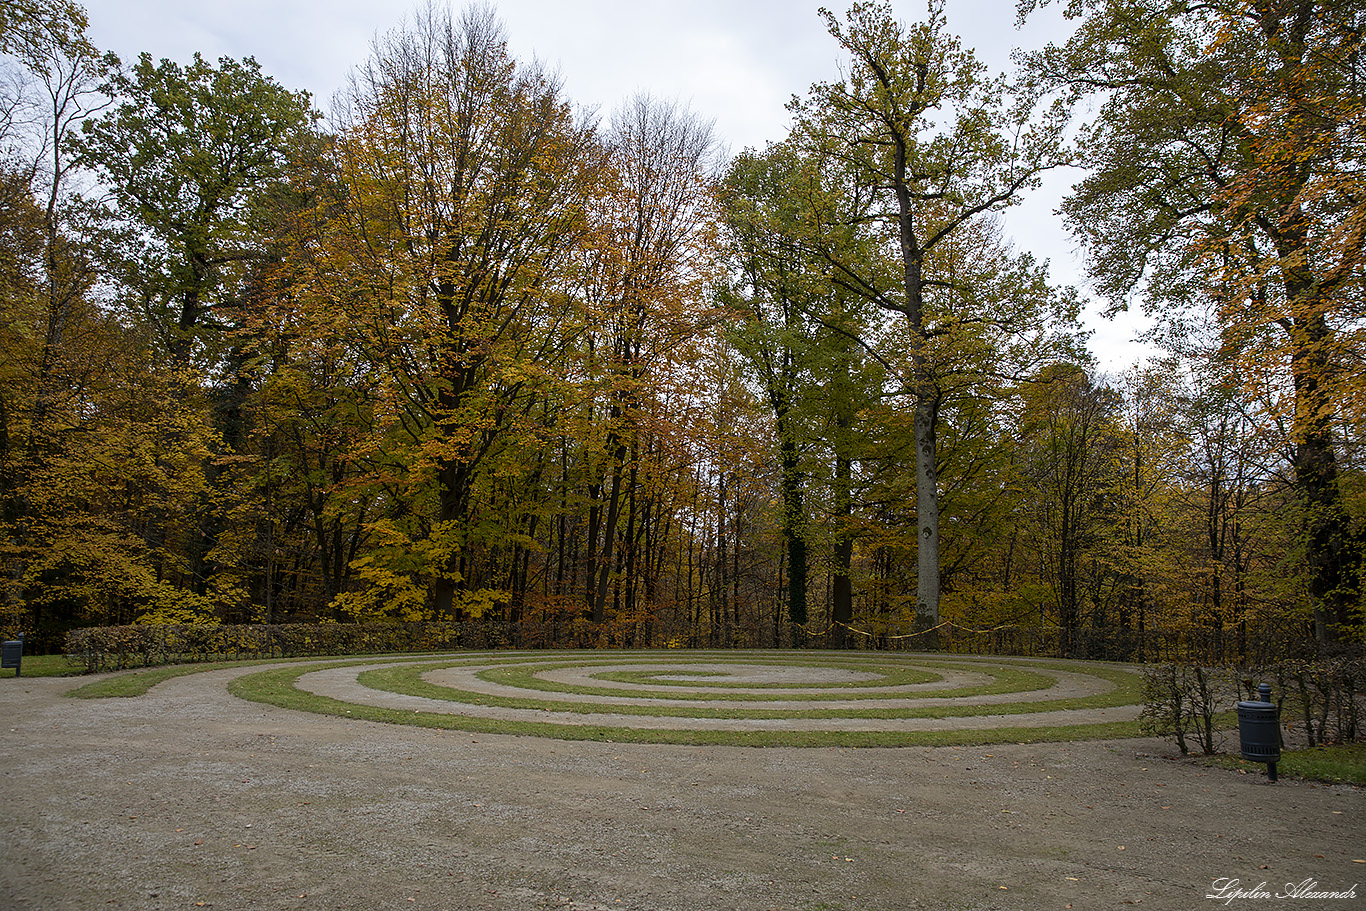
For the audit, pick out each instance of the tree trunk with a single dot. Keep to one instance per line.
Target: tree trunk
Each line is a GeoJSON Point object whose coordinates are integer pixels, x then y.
{"type": "Point", "coordinates": [926, 409]}
{"type": "Point", "coordinates": [455, 479]}
{"type": "Point", "coordinates": [603, 574]}
{"type": "Point", "coordinates": [792, 529]}
{"type": "Point", "coordinates": [1331, 549]}
{"type": "Point", "coordinates": [927, 519]}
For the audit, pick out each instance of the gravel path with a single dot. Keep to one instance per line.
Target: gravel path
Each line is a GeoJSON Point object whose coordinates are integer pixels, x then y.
{"type": "Point", "coordinates": [188, 798]}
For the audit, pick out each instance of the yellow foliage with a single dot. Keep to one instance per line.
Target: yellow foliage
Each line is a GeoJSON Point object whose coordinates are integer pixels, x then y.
{"type": "Point", "coordinates": [172, 613]}
{"type": "Point", "coordinates": [387, 595]}
{"type": "Point", "coordinates": [480, 601]}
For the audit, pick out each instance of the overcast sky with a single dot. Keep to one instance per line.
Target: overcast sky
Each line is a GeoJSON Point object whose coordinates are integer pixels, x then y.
{"type": "Point", "coordinates": [735, 61]}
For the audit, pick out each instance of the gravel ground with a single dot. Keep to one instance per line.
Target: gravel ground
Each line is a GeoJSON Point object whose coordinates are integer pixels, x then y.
{"type": "Point", "coordinates": [188, 798]}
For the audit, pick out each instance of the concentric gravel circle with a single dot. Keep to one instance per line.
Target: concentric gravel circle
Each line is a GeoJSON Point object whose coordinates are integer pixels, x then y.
{"type": "Point", "coordinates": [738, 698]}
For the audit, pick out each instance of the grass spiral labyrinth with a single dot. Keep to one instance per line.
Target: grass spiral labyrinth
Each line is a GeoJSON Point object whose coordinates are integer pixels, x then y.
{"type": "Point", "coordinates": [737, 698]}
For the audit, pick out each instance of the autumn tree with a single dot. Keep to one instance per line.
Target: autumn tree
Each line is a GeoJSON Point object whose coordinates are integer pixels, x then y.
{"type": "Point", "coordinates": [50, 72]}
{"type": "Point", "coordinates": [1071, 468]}
{"type": "Point", "coordinates": [465, 184]}
{"type": "Point", "coordinates": [1236, 544]}
{"type": "Point", "coordinates": [1224, 157]}
{"type": "Point", "coordinates": [927, 144]}
{"type": "Point", "coordinates": [781, 300]}
{"type": "Point", "coordinates": [57, 346]}
{"type": "Point", "coordinates": [189, 154]}
{"type": "Point", "coordinates": [1145, 550]}
{"type": "Point", "coordinates": [645, 290]}
{"type": "Point", "coordinates": [98, 448]}
{"type": "Point", "coordinates": [189, 157]}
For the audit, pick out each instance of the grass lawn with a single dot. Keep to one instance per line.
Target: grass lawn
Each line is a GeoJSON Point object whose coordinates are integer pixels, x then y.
{"type": "Point", "coordinates": [47, 666]}
{"type": "Point", "coordinates": [1344, 764]}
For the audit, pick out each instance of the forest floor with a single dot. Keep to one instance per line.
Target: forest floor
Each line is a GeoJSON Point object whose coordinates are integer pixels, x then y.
{"type": "Point", "coordinates": [188, 797]}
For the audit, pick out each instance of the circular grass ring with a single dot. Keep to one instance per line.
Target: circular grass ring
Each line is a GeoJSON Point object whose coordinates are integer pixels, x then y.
{"type": "Point", "coordinates": [1003, 679]}
{"type": "Point", "coordinates": [713, 680]}
{"type": "Point", "coordinates": [406, 677]}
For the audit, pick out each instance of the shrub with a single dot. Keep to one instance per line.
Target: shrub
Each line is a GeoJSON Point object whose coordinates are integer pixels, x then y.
{"type": "Point", "coordinates": [1185, 700]}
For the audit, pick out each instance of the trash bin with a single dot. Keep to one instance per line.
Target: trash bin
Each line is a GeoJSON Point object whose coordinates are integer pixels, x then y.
{"type": "Point", "coordinates": [1259, 730]}
{"type": "Point", "coordinates": [12, 654]}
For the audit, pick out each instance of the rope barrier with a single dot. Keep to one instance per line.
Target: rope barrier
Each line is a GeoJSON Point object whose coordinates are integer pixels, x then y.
{"type": "Point", "coordinates": [945, 624]}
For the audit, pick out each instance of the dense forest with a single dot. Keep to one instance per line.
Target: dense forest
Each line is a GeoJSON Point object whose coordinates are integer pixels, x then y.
{"type": "Point", "coordinates": [458, 350]}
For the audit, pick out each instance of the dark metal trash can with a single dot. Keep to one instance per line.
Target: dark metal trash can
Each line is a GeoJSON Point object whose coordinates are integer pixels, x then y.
{"type": "Point", "coordinates": [12, 654]}
{"type": "Point", "coordinates": [1259, 730]}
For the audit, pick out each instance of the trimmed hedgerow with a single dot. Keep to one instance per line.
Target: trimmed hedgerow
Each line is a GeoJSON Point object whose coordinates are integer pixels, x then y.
{"type": "Point", "coordinates": [111, 648]}
{"type": "Point", "coordinates": [1320, 702]}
